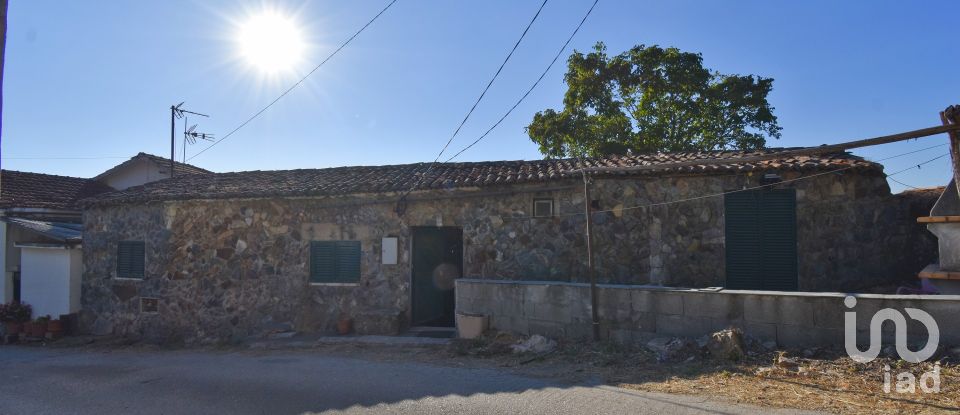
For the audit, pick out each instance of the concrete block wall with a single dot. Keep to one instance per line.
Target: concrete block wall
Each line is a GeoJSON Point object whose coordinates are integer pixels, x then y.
{"type": "Point", "coordinates": [630, 313]}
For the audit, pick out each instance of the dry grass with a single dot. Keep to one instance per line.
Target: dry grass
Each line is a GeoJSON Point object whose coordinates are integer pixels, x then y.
{"type": "Point", "coordinates": [829, 382]}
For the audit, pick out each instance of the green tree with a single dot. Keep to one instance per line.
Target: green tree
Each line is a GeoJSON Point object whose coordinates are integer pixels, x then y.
{"type": "Point", "coordinates": [650, 99]}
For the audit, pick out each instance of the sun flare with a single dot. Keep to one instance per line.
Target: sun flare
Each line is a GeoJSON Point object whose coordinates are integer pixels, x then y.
{"type": "Point", "coordinates": [271, 42]}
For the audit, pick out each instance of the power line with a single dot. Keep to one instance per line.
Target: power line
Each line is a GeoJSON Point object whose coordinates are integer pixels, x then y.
{"type": "Point", "coordinates": [489, 84]}
{"type": "Point", "coordinates": [542, 75]}
{"type": "Point", "coordinates": [902, 183]}
{"type": "Point", "coordinates": [331, 55]}
{"type": "Point", "coordinates": [918, 165]}
{"type": "Point", "coordinates": [480, 98]}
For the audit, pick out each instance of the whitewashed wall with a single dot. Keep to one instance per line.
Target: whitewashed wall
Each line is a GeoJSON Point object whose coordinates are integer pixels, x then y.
{"type": "Point", "coordinates": [50, 280]}
{"type": "Point", "coordinates": [141, 172]}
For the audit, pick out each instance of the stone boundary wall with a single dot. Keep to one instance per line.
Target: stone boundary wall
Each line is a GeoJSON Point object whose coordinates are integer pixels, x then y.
{"type": "Point", "coordinates": [632, 313]}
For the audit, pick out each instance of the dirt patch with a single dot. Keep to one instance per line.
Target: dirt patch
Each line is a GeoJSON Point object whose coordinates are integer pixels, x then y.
{"type": "Point", "coordinates": [813, 379]}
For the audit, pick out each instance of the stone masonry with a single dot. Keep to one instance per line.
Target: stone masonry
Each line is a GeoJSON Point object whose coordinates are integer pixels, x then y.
{"type": "Point", "coordinates": [223, 269]}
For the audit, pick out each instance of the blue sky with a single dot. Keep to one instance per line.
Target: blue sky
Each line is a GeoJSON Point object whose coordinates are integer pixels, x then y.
{"type": "Point", "coordinates": [96, 78]}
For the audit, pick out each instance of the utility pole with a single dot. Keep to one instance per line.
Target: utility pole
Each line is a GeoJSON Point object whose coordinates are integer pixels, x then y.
{"type": "Point", "coordinates": [177, 112]}
{"type": "Point", "coordinates": [590, 273]}
{"type": "Point", "coordinates": [173, 126]}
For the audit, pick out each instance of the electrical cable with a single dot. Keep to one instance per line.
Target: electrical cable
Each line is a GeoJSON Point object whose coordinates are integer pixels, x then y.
{"type": "Point", "coordinates": [477, 102]}
{"type": "Point", "coordinates": [291, 88]}
{"type": "Point", "coordinates": [524, 96]}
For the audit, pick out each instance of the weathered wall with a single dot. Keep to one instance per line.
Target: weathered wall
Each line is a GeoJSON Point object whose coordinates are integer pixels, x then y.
{"type": "Point", "coordinates": [230, 268]}
{"type": "Point", "coordinates": [638, 314]}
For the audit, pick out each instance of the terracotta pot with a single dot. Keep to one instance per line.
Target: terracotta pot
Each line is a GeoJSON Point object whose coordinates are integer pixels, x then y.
{"type": "Point", "coordinates": [55, 326]}
{"type": "Point", "coordinates": [37, 329]}
{"type": "Point", "coordinates": [28, 329]}
{"type": "Point", "coordinates": [14, 327]}
{"type": "Point", "coordinates": [344, 326]}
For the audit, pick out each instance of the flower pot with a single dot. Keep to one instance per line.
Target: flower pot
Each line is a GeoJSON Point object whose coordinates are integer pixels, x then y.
{"type": "Point", "coordinates": [13, 328]}
{"type": "Point", "coordinates": [28, 329]}
{"type": "Point", "coordinates": [471, 326]}
{"type": "Point", "coordinates": [344, 326]}
{"type": "Point", "coordinates": [37, 329]}
{"type": "Point", "coordinates": [55, 326]}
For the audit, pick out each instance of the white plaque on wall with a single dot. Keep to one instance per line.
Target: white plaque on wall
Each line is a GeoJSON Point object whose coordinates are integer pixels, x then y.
{"type": "Point", "coordinates": [388, 251]}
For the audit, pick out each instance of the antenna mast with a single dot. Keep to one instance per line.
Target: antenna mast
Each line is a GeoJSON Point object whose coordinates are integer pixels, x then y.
{"type": "Point", "coordinates": [177, 112]}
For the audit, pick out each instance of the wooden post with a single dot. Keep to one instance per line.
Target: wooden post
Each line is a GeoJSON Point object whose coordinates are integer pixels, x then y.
{"type": "Point", "coordinates": [951, 116]}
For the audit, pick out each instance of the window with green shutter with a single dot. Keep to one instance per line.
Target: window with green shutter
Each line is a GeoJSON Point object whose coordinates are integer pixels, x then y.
{"type": "Point", "coordinates": [334, 261]}
{"type": "Point", "coordinates": [130, 259]}
{"type": "Point", "coordinates": [761, 240]}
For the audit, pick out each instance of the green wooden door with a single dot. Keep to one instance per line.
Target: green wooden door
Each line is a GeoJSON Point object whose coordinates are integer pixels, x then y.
{"type": "Point", "coordinates": [437, 262]}
{"type": "Point", "coordinates": [761, 240]}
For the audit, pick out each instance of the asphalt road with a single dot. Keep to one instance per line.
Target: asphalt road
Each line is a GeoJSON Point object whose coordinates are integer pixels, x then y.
{"type": "Point", "coordinates": [39, 381]}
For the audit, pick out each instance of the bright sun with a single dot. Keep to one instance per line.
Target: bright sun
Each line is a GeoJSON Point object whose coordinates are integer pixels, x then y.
{"type": "Point", "coordinates": [271, 42]}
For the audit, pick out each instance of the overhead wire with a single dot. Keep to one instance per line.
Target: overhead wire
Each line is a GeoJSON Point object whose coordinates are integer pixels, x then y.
{"type": "Point", "coordinates": [532, 87]}
{"type": "Point", "coordinates": [298, 83]}
{"type": "Point", "coordinates": [456, 132]}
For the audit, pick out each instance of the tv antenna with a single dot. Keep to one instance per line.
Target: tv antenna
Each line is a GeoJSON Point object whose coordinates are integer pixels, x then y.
{"type": "Point", "coordinates": [191, 135]}
{"type": "Point", "coordinates": [176, 111]}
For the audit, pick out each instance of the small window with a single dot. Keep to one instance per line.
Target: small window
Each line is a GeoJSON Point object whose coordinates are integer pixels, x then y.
{"type": "Point", "coordinates": [335, 261]}
{"type": "Point", "coordinates": [130, 259]}
{"type": "Point", "coordinates": [542, 208]}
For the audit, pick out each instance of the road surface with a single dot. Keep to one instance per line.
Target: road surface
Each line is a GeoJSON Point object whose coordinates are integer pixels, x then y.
{"type": "Point", "coordinates": [43, 381]}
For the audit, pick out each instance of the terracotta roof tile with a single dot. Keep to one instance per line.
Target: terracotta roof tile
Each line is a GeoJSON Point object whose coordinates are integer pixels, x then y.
{"type": "Point", "coordinates": [35, 190]}
{"type": "Point", "coordinates": [399, 178]}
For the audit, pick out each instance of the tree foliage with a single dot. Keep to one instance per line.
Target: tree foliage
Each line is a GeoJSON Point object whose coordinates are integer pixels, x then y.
{"type": "Point", "coordinates": [651, 99]}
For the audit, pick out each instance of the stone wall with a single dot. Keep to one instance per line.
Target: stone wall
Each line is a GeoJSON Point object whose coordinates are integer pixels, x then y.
{"type": "Point", "coordinates": [224, 269]}
{"type": "Point", "coordinates": [638, 314]}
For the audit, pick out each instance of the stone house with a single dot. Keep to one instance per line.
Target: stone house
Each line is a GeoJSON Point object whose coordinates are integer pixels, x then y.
{"type": "Point", "coordinates": [227, 255]}
{"type": "Point", "coordinates": [41, 232]}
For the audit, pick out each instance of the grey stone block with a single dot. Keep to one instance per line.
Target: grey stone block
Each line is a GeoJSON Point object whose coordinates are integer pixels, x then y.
{"type": "Point", "coordinates": [828, 312]}
{"type": "Point", "coordinates": [646, 322]}
{"type": "Point", "coordinates": [715, 305]}
{"type": "Point", "coordinates": [668, 302]}
{"type": "Point", "coordinates": [760, 309]}
{"type": "Point", "coordinates": [518, 325]}
{"type": "Point", "coordinates": [806, 336]}
{"type": "Point", "coordinates": [643, 301]}
{"type": "Point", "coordinates": [796, 311]}
{"type": "Point", "coordinates": [762, 331]}
{"type": "Point", "coordinates": [678, 325]}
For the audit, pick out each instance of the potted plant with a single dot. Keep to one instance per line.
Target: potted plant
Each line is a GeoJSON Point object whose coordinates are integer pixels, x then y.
{"type": "Point", "coordinates": [344, 325]}
{"type": "Point", "coordinates": [13, 315]}
{"type": "Point", "coordinates": [39, 327]}
{"type": "Point", "coordinates": [54, 329]}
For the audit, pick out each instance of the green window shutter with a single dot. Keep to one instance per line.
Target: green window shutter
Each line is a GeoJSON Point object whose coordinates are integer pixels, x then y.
{"type": "Point", "coordinates": [348, 261]}
{"type": "Point", "coordinates": [761, 240]}
{"type": "Point", "coordinates": [742, 233]}
{"type": "Point", "coordinates": [323, 260]}
{"type": "Point", "coordinates": [334, 261]}
{"type": "Point", "coordinates": [130, 259]}
{"type": "Point", "coordinates": [778, 222]}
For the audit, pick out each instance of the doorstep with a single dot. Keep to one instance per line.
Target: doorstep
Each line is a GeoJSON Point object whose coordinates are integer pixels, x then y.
{"type": "Point", "coordinates": [308, 341]}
